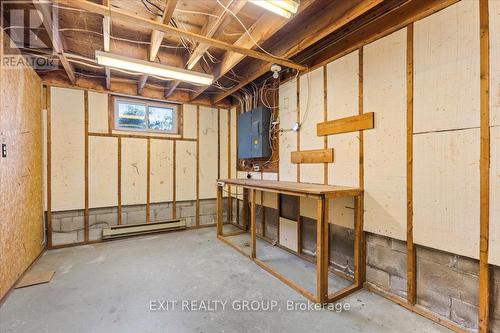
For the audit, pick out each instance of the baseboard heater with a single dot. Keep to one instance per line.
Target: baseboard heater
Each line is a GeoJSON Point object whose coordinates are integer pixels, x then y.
{"type": "Point", "coordinates": [126, 230]}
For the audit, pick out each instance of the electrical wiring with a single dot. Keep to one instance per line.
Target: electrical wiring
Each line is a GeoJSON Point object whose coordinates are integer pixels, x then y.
{"type": "Point", "coordinates": [247, 32]}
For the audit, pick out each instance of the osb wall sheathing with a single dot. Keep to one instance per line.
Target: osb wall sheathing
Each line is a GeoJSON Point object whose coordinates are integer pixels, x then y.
{"type": "Point", "coordinates": [21, 208]}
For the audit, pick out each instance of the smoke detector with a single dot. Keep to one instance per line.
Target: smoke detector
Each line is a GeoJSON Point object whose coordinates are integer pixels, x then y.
{"type": "Point", "coordinates": [276, 69]}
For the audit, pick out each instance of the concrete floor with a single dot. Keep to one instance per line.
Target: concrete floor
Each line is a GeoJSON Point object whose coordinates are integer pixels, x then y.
{"type": "Point", "coordinates": [108, 288]}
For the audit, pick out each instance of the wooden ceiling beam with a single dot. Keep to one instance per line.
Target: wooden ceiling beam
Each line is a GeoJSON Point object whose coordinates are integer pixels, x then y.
{"type": "Point", "coordinates": [215, 23]}
{"type": "Point", "coordinates": [52, 28]}
{"type": "Point", "coordinates": [157, 39]}
{"type": "Point", "coordinates": [263, 29]}
{"type": "Point", "coordinates": [318, 26]}
{"type": "Point", "coordinates": [106, 35]}
{"type": "Point", "coordinates": [132, 19]}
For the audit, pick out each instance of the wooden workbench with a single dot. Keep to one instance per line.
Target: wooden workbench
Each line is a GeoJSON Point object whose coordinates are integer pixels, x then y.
{"type": "Point", "coordinates": [321, 193]}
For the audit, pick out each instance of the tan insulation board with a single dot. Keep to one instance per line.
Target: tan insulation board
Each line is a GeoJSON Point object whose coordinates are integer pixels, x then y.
{"type": "Point", "coordinates": [288, 234]}
{"type": "Point", "coordinates": [185, 170]}
{"type": "Point", "coordinates": [208, 152]}
{"type": "Point", "coordinates": [134, 171]}
{"type": "Point", "coordinates": [270, 200]}
{"type": "Point", "coordinates": [233, 143]}
{"type": "Point", "coordinates": [68, 149]}
{"type": "Point", "coordinates": [384, 93]}
{"type": "Point", "coordinates": [494, 8]}
{"type": "Point", "coordinates": [343, 101]}
{"type": "Point", "coordinates": [341, 212]}
{"type": "Point", "coordinates": [446, 66]}
{"type": "Point", "coordinates": [98, 112]}
{"type": "Point", "coordinates": [494, 250]}
{"type": "Point", "coordinates": [103, 172]}
{"type": "Point", "coordinates": [223, 147]}
{"type": "Point", "coordinates": [288, 138]}
{"type": "Point", "coordinates": [308, 207]}
{"type": "Point", "coordinates": [269, 176]}
{"type": "Point", "coordinates": [162, 170]}
{"type": "Point", "coordinates": [21, 208]}
{"type": "Point", "coordinates": [311, 113]}
{"type": "Point", "coordinates": [189, 121]}
{"type": "Point", "coordinates": [446, 191]}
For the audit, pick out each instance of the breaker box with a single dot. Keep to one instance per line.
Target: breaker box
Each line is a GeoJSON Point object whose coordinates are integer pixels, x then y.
{"type": "Point", "coordinates": [253, 133]}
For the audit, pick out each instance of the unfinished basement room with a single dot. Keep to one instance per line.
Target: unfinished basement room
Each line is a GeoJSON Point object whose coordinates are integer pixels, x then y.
{"type": "Point", "coordinates": [250, 166]}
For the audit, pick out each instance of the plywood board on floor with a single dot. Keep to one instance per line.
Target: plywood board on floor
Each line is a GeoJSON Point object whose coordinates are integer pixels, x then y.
{"type": "Point", "coordinates": [103, 172]}
{"type": "Point", "coordinates": [162, 170]}
{"type": "Point", "coordinates": [185, 170]}
{"type": "Point", "coordinates": [288, 138]}
{"type": "Point", "coordinates": [208, 152]}
{"type": "Point", "coordinates": [446, 69]}
{"type": "Point", "coordinates": [446, 191]}
{"type": "Point", "coordinates": [311, 112]}
{"type": "Point", "coordinates": [134, 171]}
{"type": "Point", "coordinates": [384, 94]}
{"type": "Point", "coordinates": [34, 278]}
{"type": "Point", "coordinates": [67, 149]}
{"type": "Point", "coordinates": [343, 101]}
{"type": "Point", "coordinates": [494, 250]}
{"type": "Point", "coordinates": [98, 112]}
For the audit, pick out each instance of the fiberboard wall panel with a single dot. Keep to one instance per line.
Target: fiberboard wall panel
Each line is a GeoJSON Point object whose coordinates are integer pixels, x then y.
{"type": "Point", "coordinates": [446, 191]}
{"type": "Point", "coordinates": [494, 250]}
{"type": "Point", "coordinates": [208, 152]}
{"type": "Point", "coordinates": [98, 112]}
{"type": "Point", "coordinates": [446, 66]}
{"type": "Point", "coordinates": [134, 168]}
{"type": "Point", "coordinates": [494, 7]}
{"type": "Point", "coordinates": [343, 101]}
{"type": "Point", "coordinates": [67, 149]}
{"type": "Point", "coordinates": [103, 172]}
{"type": "Point", "coordinates": [185, 170]}
{"type": "Point", "coordinates": [233, 143]}
{"type": "Point", "coordinates": [162, 170]}
{"type": "Point", "coordinates": [223, 133]}
{"type": "Point", "coordinates": [384, 94]}
{"type": "Point", "coordinates": [189, 120]}
{"type": "Point", "coordinates": [288, 138]}
{"type": "Point", "coordinates": [311, 113]}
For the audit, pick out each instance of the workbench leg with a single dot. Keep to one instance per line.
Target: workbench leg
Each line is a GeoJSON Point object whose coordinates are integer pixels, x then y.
{"type": "Point", "coordinates": [245, 209]}
{"type": "Point", "coordinates": [252, 224]}
{"type": "Point", "coordinates": [219, 210]}
{"type": "Point", "coordinates": [358, 241]}
{"type": "Point", "coordinates": [321, 253]}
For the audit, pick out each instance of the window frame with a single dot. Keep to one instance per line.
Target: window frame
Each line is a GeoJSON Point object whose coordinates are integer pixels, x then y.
{"type": "Point", "coordinates": [147, 104]}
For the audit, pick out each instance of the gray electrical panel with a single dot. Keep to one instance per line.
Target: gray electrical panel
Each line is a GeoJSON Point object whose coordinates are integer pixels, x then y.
{"type": "Point", "coordinates": [253, 133]}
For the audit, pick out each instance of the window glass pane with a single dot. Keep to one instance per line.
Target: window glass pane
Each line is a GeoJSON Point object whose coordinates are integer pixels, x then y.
{"type": "Point", "coordinates": [161, 119]}
{"type": "Point", "coordinates": [131, 115]}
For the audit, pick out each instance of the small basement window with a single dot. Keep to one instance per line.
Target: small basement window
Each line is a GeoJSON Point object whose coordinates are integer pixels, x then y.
{"type": "Point", "coordinates": [145, 116]}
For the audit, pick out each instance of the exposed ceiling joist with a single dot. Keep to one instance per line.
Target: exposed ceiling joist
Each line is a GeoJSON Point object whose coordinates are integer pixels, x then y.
{"type": "Point", "coordinates": [217, 22]}
{"type": "Point", "coordinates": [106, 35]}
{"type": "Point", "coordinates": [132, 19]}
{"type": "Point", "coordinates": [157, 39]}
{"type": "Point", "coordinates": [318, 26]}
{"type": "Point", "coordinates": [264, 28]}
{"type": "Point", "coordinates": [52, 28]}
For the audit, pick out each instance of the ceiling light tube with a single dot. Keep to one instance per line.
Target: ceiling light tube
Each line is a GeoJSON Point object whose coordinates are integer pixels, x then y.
{"type": "Point", "coordinates": [284, 8]}
{"type": "Point", "coordinates": [151, 68]}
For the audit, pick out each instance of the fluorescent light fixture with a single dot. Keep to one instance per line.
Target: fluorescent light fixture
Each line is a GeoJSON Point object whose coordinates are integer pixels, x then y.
{"type": "Point", "coordinates": [284, 8]}
{"type": "Point", "coordinates": [151, 68]}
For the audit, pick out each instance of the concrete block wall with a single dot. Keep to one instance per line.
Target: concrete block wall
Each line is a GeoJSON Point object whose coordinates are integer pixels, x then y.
{"type": "Point", "coordinates": [447, 284]}
{"type": "Point", "coordinates": [68, 226]}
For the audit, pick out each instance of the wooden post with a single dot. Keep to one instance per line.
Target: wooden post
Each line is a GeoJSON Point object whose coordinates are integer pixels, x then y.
{"type": "Point", "coordinates": [358, 241]}
{"type": "Point", "coordinates": [148, 180]}
{"type": "Point", "coordinates": [410, 247]}
{"type": "Point", "coordinates": [245, 209]}
{"type": "Point", "coordinates": [219, 210]}
{"type": "Point", "coordinates": [119, 190]}
{"type": "Point", "coordinates": [252, 224]}
{"type": "Point", "coordinates": [321, 253]}
{"type": "Point", "coordinates": [49, 168]}
{"type": "Point", "coordinates": [86, 210]}
{"type": "Point", "coordinates": [484, 167]}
